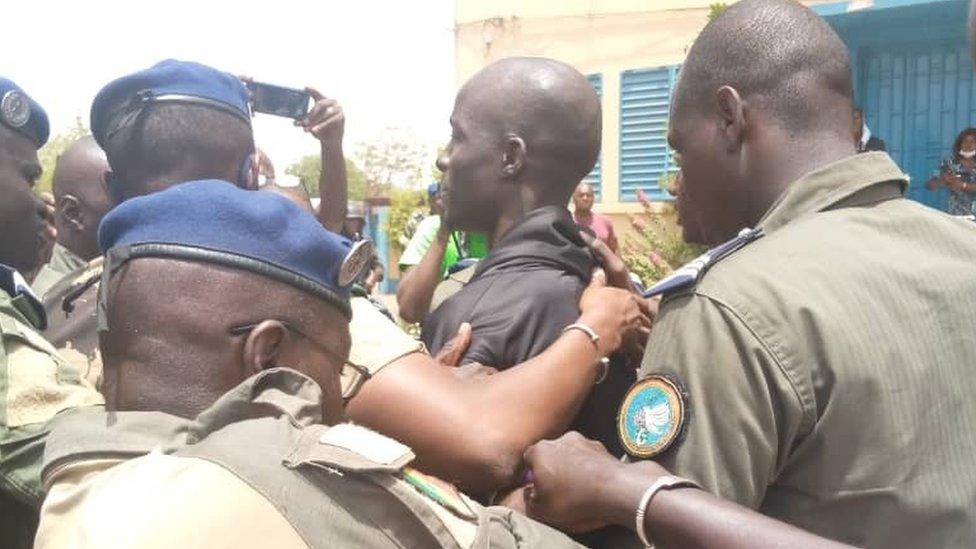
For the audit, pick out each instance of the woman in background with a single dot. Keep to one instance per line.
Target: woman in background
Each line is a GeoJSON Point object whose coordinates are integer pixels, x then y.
{"type": "Point", "coordinates": [958, 174]}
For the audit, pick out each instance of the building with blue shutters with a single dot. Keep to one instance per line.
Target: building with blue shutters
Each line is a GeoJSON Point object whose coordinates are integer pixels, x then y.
{"type": "Point", "coordinates": [913, 75]}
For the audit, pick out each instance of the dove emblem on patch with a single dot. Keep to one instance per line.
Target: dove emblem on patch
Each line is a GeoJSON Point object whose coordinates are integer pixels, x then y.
{"type": "Point", "coordinates": [651, 416]}
{"type": "Point", "coordinates": [652, 421]}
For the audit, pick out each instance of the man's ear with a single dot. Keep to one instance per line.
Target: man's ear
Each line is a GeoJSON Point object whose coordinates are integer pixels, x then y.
{"type": "Point", "coordinates": [731, 110]}
{"type": "Point", "coordinates": [513, 159]}
{"type": "Point", "coordinates": [264, 346]}
{"type": "Point", "coordinates": [69, 209]}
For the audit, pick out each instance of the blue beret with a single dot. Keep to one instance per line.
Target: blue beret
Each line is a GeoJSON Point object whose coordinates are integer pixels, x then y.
{"type": "Point", "coordinates": [215, 222]}
{"type": "Point", "coordinates": [22, 114]}
{"type": "Point", "coordinates": [119, 103]}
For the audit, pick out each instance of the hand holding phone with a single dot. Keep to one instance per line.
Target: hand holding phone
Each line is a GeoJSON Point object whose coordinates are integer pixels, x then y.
{"type": "Point", "coordinates": [326, 120]}
{"type": "Point", "coordinates": [278, 100]}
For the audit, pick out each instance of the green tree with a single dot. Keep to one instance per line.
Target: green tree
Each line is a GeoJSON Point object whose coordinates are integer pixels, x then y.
{"type": "Point", "coordinates": [716, 9]}
{"type": "Point", "coordinates": [49, 153]}
{"type": "Point", "coordinates": [656, 246]}
{"type": "Point", "coordinates": [393, 159]}
{"type": "Point", "coordinates": [403, 204]}
{"type": "Point", "coordinates": [308, 169]}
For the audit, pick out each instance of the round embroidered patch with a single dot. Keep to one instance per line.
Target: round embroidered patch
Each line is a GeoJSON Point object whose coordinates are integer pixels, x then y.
{"type": "Point", "coordinates": [651, 416]}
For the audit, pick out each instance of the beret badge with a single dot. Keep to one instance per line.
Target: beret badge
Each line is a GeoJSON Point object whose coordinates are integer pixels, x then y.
{"type": "Point", "coordinates": [15, 109]}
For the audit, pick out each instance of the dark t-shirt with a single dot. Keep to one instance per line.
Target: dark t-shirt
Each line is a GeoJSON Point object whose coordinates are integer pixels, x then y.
{"type": "Point", "coordinates": [518, 302]}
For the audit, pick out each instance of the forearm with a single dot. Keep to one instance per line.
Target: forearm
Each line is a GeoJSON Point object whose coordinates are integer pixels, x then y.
{"type": "Point", "coordinates": [474, 431]}
{"type": "Point", "coordinates": [332, 187]}
{"type": "Point", "coordinates": [688, 517]}
{"type": "Point", "coordinates": [416, 288]}
{"type": "Point", "coordinates": [496, 418]}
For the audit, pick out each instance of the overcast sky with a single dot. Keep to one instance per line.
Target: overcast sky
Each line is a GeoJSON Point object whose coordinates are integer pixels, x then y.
{"type": "Point", "coordinates": [389, 62]}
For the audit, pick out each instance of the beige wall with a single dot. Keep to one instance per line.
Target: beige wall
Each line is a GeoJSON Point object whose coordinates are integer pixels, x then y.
{"type": "Point", "coordinates": [595, 36]}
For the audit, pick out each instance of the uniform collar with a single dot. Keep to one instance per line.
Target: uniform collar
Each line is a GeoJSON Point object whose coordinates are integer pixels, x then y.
{"type": "Point", "coordinates": [64, 260]}
{"type": "Point", "coordinates": [276, 392]}
{"type": "Point", "coordinates": [88, 431]}
{"type": "Point", "coordinates": [22, 297]}
{"type": "Point", "coordinates": [853, 181]}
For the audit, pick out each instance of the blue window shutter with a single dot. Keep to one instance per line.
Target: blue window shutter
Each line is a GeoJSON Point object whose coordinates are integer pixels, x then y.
{"type": "Point", "coordinates": [595, 177]}
{"type": "Point", "coordinates": [645, 96]}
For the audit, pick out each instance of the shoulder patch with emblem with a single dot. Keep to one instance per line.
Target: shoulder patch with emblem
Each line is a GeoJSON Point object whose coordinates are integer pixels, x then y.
{"type": "Point", "coordinates": [688, 274]}
{"type": "Point", "coordinates": [652, 416]}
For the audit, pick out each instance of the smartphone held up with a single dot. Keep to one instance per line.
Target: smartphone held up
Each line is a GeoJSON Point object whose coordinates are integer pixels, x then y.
{"type": "Point", "coordinates": [278, 100]}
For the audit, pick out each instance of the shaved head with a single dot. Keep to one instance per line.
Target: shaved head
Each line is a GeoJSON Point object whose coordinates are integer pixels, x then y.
{"type": "Point", "coordinates": [776, 53]}
{"type": "Point", "coordinates": [525, 131]}
{"type": "Point", "coordinates": [763, 98]}
{"type": "Point", "coordinates": [171, 346]}
{"type": "Point", "coordinates": [550, 105]}
{"type": "Point", "coordinates": [80, 196]}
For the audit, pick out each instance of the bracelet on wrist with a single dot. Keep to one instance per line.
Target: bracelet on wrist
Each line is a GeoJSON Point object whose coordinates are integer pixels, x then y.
{"type": "Point", "coordinates": [666, 482]}
{"type": "Point", "coordinates": [603, 361]}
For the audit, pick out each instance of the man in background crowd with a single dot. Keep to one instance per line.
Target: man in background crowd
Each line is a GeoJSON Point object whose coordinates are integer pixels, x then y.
{"type": "Point", "coordinates": [862, 135]}
{"type": "Point", "coordinates": [434, 252]}
{"type": "Point", "coordinates": [583, 214]}
{"type": "Point", "coordinates": [81, 199]}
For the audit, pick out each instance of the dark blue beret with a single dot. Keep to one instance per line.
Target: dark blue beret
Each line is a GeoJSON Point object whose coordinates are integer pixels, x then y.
{"type": "Point", "coordinates": [215, 222]}
{"type": "Point", "coordinates": [22, 114]}
{"type": "Point", "coordinates": [120, 102]}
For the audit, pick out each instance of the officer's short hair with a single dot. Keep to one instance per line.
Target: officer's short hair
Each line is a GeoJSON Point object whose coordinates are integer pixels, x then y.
{"type": "Point", "coordinates": [176, 137]}
{"type": "Point", "coordinates": [776, 52]}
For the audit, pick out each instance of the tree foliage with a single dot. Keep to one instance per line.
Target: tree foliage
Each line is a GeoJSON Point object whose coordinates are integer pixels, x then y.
{"type": "Point", "coordinates": [394, 159]}
{"type": "Point", "coordinates": [403, 204]}
{"type": "Point", "coordinates": [656, 247]}
{"type": "Point", "coordinates": [377, 167]}
{"type": "Point", "coordinates": [49, 153]}
{"type": "Point", "coordinates": [308, 169]}
{"type": "Point", "coordinates": [716, 9]}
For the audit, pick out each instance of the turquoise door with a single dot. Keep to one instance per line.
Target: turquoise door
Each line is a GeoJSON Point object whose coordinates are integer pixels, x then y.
{"type": "Point", "coordinates": [913, 77]}
{"type": "Point", "coordinates": [917, 97]}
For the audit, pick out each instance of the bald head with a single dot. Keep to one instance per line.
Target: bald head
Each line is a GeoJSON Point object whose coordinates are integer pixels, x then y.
{"type": "Point", "coordinates": [526, 130]}
{"type": "Point", "coordinates": [780, 56]}
{"type": "Point", "coordinates": [550, 105]}
{"type": "Point", "coordinates": [80, 196]}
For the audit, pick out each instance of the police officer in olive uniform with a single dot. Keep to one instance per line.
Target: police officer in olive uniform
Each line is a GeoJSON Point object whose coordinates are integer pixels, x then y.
{"type": "Point", "coordinates": [35, 383]}
{"type": "Point", "coordinates": [262, 287]}
{"type": "Point", "coordinates": [81, 200]}
{"type": "Point", "coordinates": [818, 366]}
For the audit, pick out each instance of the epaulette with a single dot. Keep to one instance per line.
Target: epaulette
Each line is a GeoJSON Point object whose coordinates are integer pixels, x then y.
{"type": "Point", "coordinates": [14, 284]}
{"type": "Point", "coordinates": [689, 274]}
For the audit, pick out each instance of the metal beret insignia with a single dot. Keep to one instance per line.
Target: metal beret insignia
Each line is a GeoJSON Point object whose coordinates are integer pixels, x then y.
{"type": "Point", "coordinates": [652, 416]}
{"type": "Point", "coordinates": [356, 260]}
{"type": "Point", "coordinates": [15, 109]}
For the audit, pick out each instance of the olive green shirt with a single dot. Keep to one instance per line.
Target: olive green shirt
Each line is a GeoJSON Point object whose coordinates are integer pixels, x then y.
{"type": "Point", "coordinates": [305, 485]}
{"type": "Point", "coordinates": [35, 384]}
{"type": "Point", "coordinates": [830, 366]}
{"type": "Point", "coordinates": [63, 262]}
